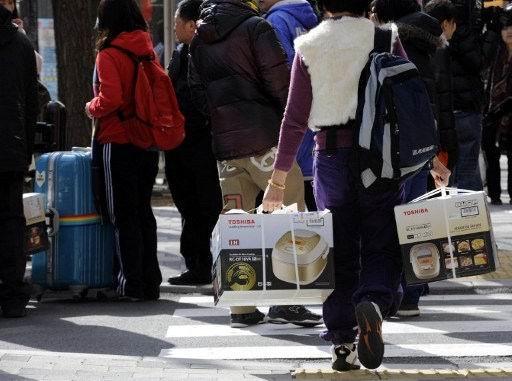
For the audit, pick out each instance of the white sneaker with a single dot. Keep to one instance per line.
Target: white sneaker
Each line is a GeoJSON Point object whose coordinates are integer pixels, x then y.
{"type": "Point", "coordinates": [344, 357]}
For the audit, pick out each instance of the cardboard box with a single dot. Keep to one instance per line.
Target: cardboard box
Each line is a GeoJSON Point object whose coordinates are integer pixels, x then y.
{"type": "Point", "coordinates": [36, 237]}
{"type": "Point", "coordinates": [273, 259]}
{"type": "Point", "coordinates": [448, 236]}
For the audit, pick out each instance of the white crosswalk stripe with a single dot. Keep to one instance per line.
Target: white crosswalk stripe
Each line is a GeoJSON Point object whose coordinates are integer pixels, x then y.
{"type": "Point", "coordinates": [319, 352]}
{"type": "Point", "coordinates": [213, 330]}
{"type": "Point", "coordinates": [427, 310]}
{"type": "Point", "coordinates": [450, 326]}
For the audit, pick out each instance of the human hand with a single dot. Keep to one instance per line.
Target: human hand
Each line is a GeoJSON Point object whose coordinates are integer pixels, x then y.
{"type": "Point", "coordinates": [18, 22]}
{"type": "Point", "coordinates": [274, 194]}
{"type": "Point", "coordinates": [440, 173]}
{"type": "Point", "coordinates": [87, 112]}
{"type": "Point", "coordinates": [272, 199]}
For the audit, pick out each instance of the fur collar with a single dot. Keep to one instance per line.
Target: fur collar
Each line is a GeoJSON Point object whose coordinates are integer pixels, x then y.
{"type": "Point", "coordinates": [335, 53]}
{"type": "Point", "coordinates": [419, 37]}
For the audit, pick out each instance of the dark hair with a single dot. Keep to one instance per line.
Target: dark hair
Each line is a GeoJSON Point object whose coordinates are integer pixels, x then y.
{"type": "Point", "coordinates": [356, 7]}
{"type": "Point", "coordinates": [371, 5]}
{"type": "Point", "coordinates": [506, 16]}
{"type": "Point", "coordinates": [15, 14]}
{"type": "Point", "coordinates": [393, 10]}
{"type": "Point", "coordinates": [116, 17]}
{"type": "Point", "coordinates": [442, 10]}
{"type": "Point", "coordinates": [188, 10]}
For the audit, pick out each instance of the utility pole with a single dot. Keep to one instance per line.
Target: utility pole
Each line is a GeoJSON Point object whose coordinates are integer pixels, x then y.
{"type": "Point", "coordinates": [28, 13]}
{"type": "Point", "coordinates": [169, 39]}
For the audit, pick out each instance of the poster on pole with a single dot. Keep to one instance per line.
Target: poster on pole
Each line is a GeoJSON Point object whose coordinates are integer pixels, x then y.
{"type": "Point", "coordinates": [46, 41]}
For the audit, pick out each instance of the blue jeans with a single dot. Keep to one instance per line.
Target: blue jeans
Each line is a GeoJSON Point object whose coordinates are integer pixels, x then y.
{"type": "Point", "coordinates": [466, 174]}
{"type": "Point", "coordinates": [367, 258]}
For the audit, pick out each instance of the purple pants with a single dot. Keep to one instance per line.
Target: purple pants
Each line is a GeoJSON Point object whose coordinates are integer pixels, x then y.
{"type": "Point", "coordinates": [367, 256]}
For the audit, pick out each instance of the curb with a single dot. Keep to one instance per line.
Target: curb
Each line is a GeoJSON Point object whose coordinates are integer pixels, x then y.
{"type": "Point", "coordinates": [471, 287]}
{"type": "Point", "coordinates": [399, 374]}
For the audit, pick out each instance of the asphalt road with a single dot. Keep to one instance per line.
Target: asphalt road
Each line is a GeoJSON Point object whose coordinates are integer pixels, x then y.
{"type": "Point", "coordinates": [453, 331]}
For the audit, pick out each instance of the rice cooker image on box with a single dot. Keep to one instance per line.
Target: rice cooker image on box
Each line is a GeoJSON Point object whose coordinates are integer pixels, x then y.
{"type": "Point", "coordinates": [312, 252]}
{"type": "Point", "coordinates": [425, 261]}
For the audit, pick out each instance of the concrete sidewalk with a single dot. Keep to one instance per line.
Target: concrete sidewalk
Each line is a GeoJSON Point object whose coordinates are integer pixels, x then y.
{"type": "Point", "coordinates": [51, 366]}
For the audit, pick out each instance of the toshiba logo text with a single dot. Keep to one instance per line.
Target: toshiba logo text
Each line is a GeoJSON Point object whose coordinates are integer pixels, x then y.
{"type": "Point", "coordinates": [415, 211]}
{"type": "Point", "coordinates": [247, 221]}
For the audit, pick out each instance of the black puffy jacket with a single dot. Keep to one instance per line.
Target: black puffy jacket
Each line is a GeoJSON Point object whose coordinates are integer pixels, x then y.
{"type": "Point", "coordinates": [243, 68]}
{"type": "Point", "coordinates": [18, 96]}
{"type": "Point", "coordinates": [420, 37]}
{"type": "Point", "coordinates": [467, 64]}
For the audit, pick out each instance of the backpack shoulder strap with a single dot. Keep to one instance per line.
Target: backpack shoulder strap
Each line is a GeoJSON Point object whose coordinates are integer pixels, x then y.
{"type": "Point", "coordinates": [382, 44]}
{"type": "Point", "coordinates": [132, 55]}
{"type": "Point", "coordinates": [136, 60]}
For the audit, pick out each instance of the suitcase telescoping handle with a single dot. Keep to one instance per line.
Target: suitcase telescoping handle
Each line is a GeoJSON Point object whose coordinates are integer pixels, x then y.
{"type": "Point", "coordinates": [81, 149]}
{"type": "Point", "coordinates": [53, 222]}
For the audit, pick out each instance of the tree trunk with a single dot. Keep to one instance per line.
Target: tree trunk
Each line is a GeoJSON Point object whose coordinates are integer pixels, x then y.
{"type": "Point", "coordinates": [74, 39]}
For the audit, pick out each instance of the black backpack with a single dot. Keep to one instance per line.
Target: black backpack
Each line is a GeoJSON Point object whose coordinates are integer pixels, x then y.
{"type": "Point", "coordinates": [396, 132]}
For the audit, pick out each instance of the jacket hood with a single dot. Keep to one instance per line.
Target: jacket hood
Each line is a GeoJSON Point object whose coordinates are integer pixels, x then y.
{"type": "Point", "coordinates": [420, 30]}
{"type": "Point", "coordinates": [7, 29]}
{"type": "Point", "coordinates": [138, 42]}
{"type": "Point", "coordinates": [220, 17]}
{"type": "Point", "coordinates": [301, 10]}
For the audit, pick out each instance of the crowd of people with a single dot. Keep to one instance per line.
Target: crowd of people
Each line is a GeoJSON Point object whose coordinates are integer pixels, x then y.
{"type": "Point", "coordinates": [269, 92]}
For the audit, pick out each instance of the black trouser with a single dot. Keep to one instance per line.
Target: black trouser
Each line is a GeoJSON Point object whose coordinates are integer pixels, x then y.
{"type": "Point", "coordinates": [130, 174]}
{"type": "Point", "coordinates": [492, 152]}
{"type": "Point", "coordinates": [13, 291]}
{"type": "Point", "coordinates": [193, 179]}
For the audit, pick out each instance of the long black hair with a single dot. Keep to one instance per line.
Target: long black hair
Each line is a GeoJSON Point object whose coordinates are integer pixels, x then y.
{"type": "Point", "coordinates": [356, 7]}
{"type": "Point", "coordinates": [116, 17]}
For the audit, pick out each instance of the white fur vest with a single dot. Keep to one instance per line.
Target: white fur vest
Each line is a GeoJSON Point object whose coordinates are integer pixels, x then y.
{"type": "Point", "coordinates": [335, 53]}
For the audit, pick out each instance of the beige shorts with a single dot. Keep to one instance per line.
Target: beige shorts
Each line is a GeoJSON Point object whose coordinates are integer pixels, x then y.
{"type": "Point", "coordinates": [242, 179]}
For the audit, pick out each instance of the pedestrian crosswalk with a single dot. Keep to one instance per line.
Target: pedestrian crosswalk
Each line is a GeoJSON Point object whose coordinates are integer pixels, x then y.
{"type": "Point", "coordinates": [449, 326]}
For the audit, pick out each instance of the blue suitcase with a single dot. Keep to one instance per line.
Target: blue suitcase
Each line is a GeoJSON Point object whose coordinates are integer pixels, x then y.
{"type": "Point", "coordinates": [81, 245]}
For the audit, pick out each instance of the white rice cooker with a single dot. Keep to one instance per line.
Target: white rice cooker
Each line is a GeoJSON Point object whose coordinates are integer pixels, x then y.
{"type": "Point", "coordinates": [425, 260]}
{"type": "Point", "coordinates": [312, 254]}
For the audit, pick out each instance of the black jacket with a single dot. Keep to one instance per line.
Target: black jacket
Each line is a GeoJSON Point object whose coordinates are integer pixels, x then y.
{"type": "Point", "coordinates": [445, 116]}
{"type": "Point", "coordinates": [467, 64]}
{"type": "Point", "coordinates": [420, 37]}
{"type": "Point", "coordinates": [196, 123]}
{"type": "Point", "coordinates": [243, 68]}
{"type": "Point", "coordinates": [18, 96]}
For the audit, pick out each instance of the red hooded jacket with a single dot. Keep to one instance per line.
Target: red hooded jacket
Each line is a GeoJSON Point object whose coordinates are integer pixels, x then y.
{"type": "Point", "coordinates": [116, 77]}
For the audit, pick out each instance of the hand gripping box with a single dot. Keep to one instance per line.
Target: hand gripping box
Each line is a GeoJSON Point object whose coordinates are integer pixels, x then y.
{"type": "Point", "coordinates": [272, 259]}
{"type": "Point", "coordinates": [36, 237]}
{"type": "Point", "coordinates": [448, 236]}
